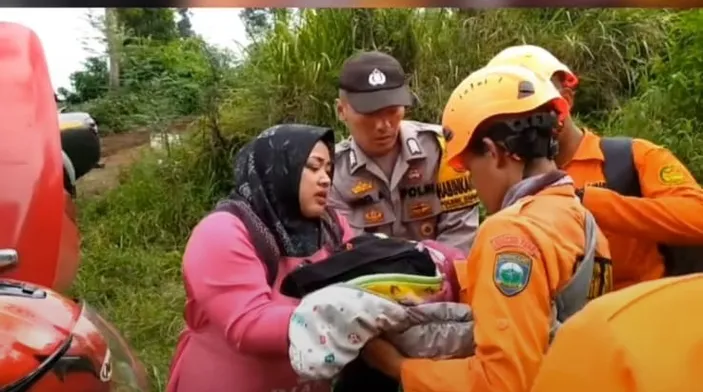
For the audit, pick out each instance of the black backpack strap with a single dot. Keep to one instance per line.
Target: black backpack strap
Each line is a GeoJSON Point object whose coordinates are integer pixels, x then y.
{"type": "Point", "coordinates": [619, 167]}
{"type": "Point", "coordinates": [262, 239]}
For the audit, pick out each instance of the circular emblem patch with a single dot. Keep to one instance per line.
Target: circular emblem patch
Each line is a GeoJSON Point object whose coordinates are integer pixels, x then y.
{"type": "Point", "coordinates": [427, 229]}
{"type": "Point", "coordinates": [512, 272]}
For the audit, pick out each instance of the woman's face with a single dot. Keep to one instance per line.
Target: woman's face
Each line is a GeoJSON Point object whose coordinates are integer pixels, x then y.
{"type": "Point", "coordinates": [315, 182]}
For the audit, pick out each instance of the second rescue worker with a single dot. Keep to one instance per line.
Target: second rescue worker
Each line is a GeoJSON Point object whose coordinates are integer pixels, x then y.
{"type": "Point", "coordinates": [389, 175]}
{"type": "Point", "coordinates": [654, 223]}
{"type": "Point", "coordinates": [534, 258]}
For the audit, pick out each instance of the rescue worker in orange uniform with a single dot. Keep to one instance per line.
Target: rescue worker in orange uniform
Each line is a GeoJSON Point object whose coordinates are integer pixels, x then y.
{"type": "Point", "coordinates": [499, 124]}
{"type": "Point", "coordinates": [661, 202]}
{"type": "Point", "coordinates": [617, 343]}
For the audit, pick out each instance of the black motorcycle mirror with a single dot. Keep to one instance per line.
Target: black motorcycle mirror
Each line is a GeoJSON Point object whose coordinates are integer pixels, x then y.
{"type": "Point", "coordinates": [82, 148]}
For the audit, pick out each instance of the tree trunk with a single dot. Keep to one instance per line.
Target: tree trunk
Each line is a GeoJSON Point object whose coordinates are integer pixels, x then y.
{"type": "Point", "coordinates": [113, 43]}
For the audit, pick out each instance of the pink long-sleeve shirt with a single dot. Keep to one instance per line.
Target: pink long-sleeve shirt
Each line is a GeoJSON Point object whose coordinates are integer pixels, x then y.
{"type": "Point", "coordinates": [236, 335]}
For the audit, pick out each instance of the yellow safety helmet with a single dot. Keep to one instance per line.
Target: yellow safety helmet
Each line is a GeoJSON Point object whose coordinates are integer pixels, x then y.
{"type": "Point", "coordinates": [537, 60]}
{"type": "Point", "coordinates": [491, 92]}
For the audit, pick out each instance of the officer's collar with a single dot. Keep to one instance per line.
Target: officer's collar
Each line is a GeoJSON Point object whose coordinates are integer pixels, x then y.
{"type": "Point", "coordinates": [411, 149]}
{"type": "Point", "coordinates": [410, 143]}
{"type": "Point", "coordinates": [357, 158]}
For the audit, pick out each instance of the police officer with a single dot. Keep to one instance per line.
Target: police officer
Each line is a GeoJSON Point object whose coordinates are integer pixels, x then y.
{"type": "Point", "coordinates": [389, 175]}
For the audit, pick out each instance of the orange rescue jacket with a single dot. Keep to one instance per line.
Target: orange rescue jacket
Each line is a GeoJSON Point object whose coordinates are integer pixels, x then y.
{"type": "Point", "coordinates": [670, 211]}
{"type": "Point", "coordinates": [646, 338]}
{"type": "Point", "coordinates": [543, 233]}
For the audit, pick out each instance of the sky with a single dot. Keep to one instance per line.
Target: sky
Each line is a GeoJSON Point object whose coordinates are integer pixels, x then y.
{"type": "Point", "coordinates": [66, 33]}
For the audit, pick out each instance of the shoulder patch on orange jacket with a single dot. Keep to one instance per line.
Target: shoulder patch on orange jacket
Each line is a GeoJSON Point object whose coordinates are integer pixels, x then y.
{"type": "Point", "coordinates": [511, 272]}
{"type": "Point", "coordinates": [672, 174]}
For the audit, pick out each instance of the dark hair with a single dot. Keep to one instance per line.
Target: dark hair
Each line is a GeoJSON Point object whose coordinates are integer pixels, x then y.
{"type": "Point", "coordinates": [527, 135]}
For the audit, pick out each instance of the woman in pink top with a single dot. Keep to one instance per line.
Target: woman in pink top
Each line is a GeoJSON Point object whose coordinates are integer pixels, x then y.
{"type": "Point", "coordinates": [236, 335]}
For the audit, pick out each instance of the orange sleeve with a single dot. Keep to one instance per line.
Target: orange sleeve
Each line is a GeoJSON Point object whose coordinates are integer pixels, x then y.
{"type": "Point", "coordinates": [512, 318]}
{"type": "Point", "coordinates": [585, 357]}
{"type": "Point", "coordinates": [671, 210]}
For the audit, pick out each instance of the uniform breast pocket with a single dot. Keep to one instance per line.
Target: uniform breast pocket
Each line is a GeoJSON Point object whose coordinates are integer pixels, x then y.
{"type": "Point", "coordinates": [376, 216]}
{"type": "Point", "coordinates": [420, 215]}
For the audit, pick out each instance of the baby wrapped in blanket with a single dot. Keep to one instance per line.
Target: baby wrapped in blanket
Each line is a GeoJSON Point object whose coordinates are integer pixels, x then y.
{"type": "Point", "coordinates": [376, 286]}
{"type": "Point", "coordinates": [331, 325]}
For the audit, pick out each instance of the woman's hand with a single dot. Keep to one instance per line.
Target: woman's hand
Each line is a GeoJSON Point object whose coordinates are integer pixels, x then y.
{"type": "Point", "coordinates": [383, 356]}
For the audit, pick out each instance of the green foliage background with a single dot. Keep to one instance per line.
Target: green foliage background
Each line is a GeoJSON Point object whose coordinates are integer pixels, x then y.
{"type": "Point", "coordinates": [641, 74]}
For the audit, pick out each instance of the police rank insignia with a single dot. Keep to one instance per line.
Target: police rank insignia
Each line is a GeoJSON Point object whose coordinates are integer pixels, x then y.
{"type": "Point", "coordinates": [373, 216]}
{"type": "Point", "coordinates": [512, 272]}
{"type": "Point", "coordinates": [362, 187]}
{"type": "Point", "coordinates": [420, 210]}
{"type": "Point", "coordinates": [414, 175]}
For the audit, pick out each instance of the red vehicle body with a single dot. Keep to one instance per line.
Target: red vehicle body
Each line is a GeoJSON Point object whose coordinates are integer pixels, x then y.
{"type": "Point", "coordinates": [53, 343]}
{"type": "Point", "coordinates": [36, 212]}
{"type": "Point", "coordinates": [48, 341]}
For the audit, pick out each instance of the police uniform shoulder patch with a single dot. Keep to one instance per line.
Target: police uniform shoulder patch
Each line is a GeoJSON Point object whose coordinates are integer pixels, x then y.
{"type": "Point", "coordinates": [511, 272]}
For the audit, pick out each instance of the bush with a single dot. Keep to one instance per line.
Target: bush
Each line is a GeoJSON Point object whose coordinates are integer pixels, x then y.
{"type": "Point", "coordinates": [158, 81]}
{"type": "Point", "coordinates": [667, 109]}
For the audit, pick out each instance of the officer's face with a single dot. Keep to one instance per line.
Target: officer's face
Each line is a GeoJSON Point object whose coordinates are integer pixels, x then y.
{"type": "Point", "coordinates": [375, 133]}
{"type": "Point", "coordinates": [315, 182]}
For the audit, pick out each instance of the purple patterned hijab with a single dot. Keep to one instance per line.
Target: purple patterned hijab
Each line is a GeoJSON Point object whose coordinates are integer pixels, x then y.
{"type": "Point", "coordinates": [267, 173]}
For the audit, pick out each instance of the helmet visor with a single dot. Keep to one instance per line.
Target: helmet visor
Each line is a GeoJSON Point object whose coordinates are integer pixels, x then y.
{"type": "Point", "coordinates": [93, 358]}
{"type": "Point", "coordinates": [119, 366]}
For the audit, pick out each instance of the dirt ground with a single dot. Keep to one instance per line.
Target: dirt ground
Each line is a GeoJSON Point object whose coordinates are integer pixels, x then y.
{"type": "Point", "coordinates": [120, 151]}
